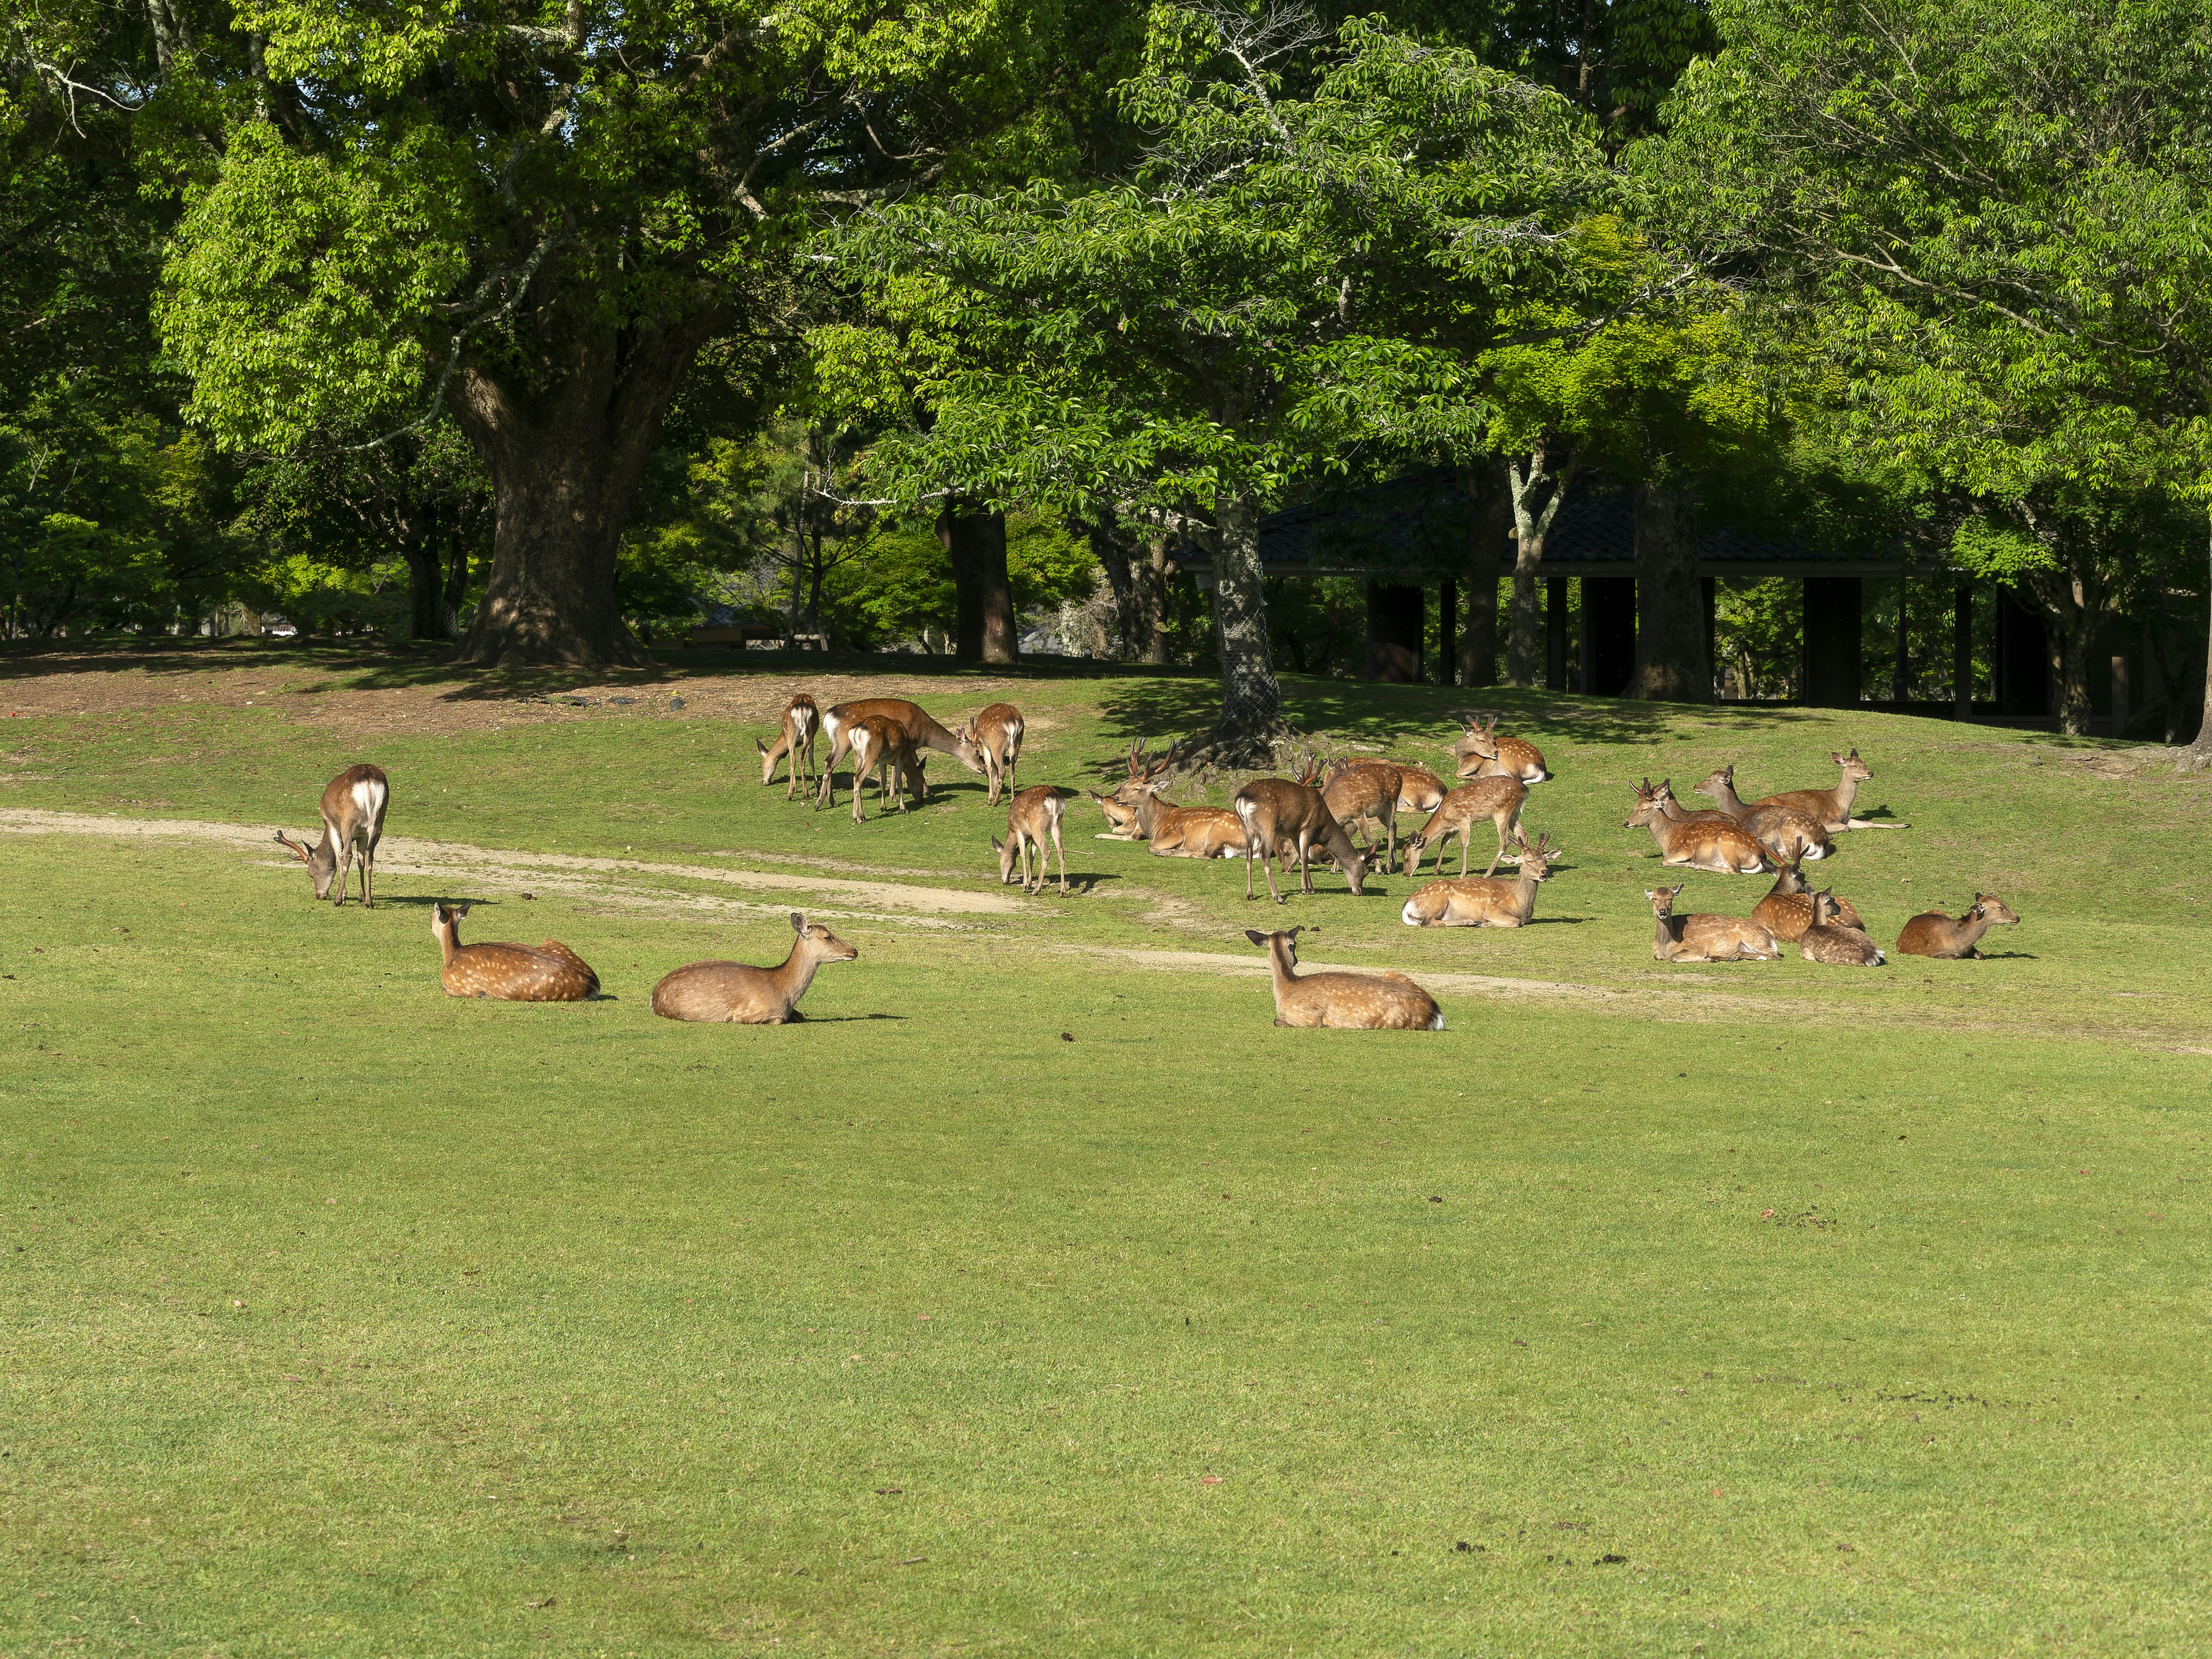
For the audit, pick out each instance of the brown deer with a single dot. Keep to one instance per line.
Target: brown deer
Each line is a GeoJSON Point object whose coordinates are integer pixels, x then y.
{"type": "Point", "coordinates": [1480, 752]}
{"type": "Point", "coordinates": [1479, 901]}
{"type": "Point", "coordinates": [1828, 940]}
{"type": "Point", "coordinates": [1703, 937]}
{"type": "Point", "coordinates": [732, 993]}
{"type": "Point", "coordinates": [1934, 934]}
{"type": "Point", "coordinates": [1787, 910]}
{"type": "Point", "coordinates": [1786, 831]}
{"type": "Point", "coordinates": [1121, 818]}
{"type": "Point", "coordinates": [1184, 832]}
{"type": "Point", "coordinates": [1032, 818]}
{"type": "Point", "coordinates": [802, 720]}
{"type": "Point", "coordinates": [1275, 811]}
{"type": "Point", "coordinates": [1352, 1002]}
{"type": "Point", "coordinates": [1832, 808]}
{"type": "Point", "coordinates": [353, 822]}
{"type": "Point", "coordinates": [1358, 791]}
{"type": "Point", "coordinates": [998, 732]}
{"type": "Point", "coordinates": [882, 746]}
{"type": "Point", "coordinates": [1722, 848]}
{"type": "Point", "coordinates": [510, 973]}
{"type": "Point", "coordinates": [1419, 790]}
{"type": "Point", "coordinates": [925, 733]}
{"type": "Point", "coordinates": [1499, 800]}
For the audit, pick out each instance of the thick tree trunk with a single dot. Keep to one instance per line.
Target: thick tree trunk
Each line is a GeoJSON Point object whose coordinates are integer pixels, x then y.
{"type": "Point", "coordinates": [1251, 701]}
{"type": "Point", "coordinates": [975, 541]}
{"type": "Point", "coordinates": [1137, 583]}
{"type": "Point", "coordinates": [1536, 494]}
{"type": "Point", "coordinates": [2073, 614]}
{"type": "Point", "coordinates": [2198, 755]}
{"type": "Point", "coordinates": [1484, 483]}
{"type": "Point", "coordinates": [1672, 663]}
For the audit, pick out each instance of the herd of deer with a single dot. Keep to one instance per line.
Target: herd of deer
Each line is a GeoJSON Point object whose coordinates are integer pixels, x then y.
{"type": "Point", "coordinates": [1271, 822]}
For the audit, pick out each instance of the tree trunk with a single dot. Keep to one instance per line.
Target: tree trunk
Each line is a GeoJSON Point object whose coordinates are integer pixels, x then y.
{"type": "Point", "coordinates": [1137, 581]}
{"type": "Point", "coordinates": [456, 588]}
{"type": "Point", "coordinates": [1251, 701]}
{"type": "Point", "coordinates": [2199, 753]}
{"type": "Point", "coordinates": [975, 542]}
{"type": "Point", "coordinates": [1151, 566]}
{"type": "Point", "coordinates": [1484, 483]}
{"type": "Point", "coordinates": [1535, 493]}
{"type": "Point", "coordinates": [1672, 664]}
{"type": "Point", "coordinates": [2072, 612]}
{"type": "Point", "coordinates": [425, 575]}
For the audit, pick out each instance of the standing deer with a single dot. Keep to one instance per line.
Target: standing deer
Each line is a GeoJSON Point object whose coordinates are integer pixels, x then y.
{"type": "Point", "coordinates": [1480, 752]}
{"type": "Point", "coordinates": [732, 993]}
{"type": "Point", "coordinates": [1786, 831]}
{"type": "Point", "coordinates": [1499, 800]}
{"type": "Point", "coordinates": [802, 720]}
{"type": "Point", "coordinates": [510, 973]}
{"type": "Point", "coordinates": [1353, 1002]}
{"type": "Point", "coordinates": [1274, 810]}
{"type": "Point", "coordinates": [1725, 848]}
{"type": "Point", "coordinates": [353, 822]}
{"type": "Point", "coordinates": [1787, 910]}
{"type": "Point", "coordinates": [1032, 818]}
{"type": "Point", "coordinates": [998, 732]}
{"type": "Point", "coordinates": [1419, 790]}
{"type": "Point", "coordinates": [1703, 937]}
{"type": "Point", "coordinates": [1358, 790]}
{"type": "Point", "coordinates": [925, 733]}
{"type": "Point", "coordinates": [1481, 901]}
{"type": "Point", "coordinates": [1832, 808]}
{"type": "Point", "coordinates": [882, 746]}
{"type": "Point", "coordinates": [1934, 934]}
{"type": "Point", "coordinates": [1829, 941]}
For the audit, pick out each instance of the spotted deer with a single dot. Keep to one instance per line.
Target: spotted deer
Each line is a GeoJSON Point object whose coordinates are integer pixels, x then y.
{"type": "Point", "coordinates": [925, 733]}
{"type": "Point", "coordinates": [1829, 941]}
{"type": "Point", "coordinates": [551, 972]}
{"type": "Point", "coordinates": [1499, 798]}
{"type": "Point", "coordinates": [1275, 812]}
{"type": "Point", "coordinates": [1032, 819]}
{"type": "Point", "coordinates": [1725, 848]}
{"type": "Point", "coordinates": [1481, 901]}
{"type": "Point", "coordinates": [1355, 1002]}
{"type": "Point", "coordinates": [1787, 832]}
{"type": "Point", "coordinates": [353, 822]}
{"type": "Point", "coordinates": [1932, 934]}
{"type": "Point", "coordinates": [1704, 938]}
{"type": "Point", "coordinates": [1480, 752]}
{"type": "Point", "coordinates": [1832, 808]}
{"type": "Point", "coordinates": [997, 732]}
{"type": "Point", "coordinates": [1357, 792]}
{"type": "Point", "coordinates": [1182, 832]}
{"type": "Point", "coordinates": [732, 994]}
{"type": "Point", "coordinates": [1419, 790]}
{"type": "Point", "coordinates": [1787, 909]}
{"type": "Point", "coordinates": [1121, 818]}
{"type": "Point", "coordinates": [802, 721]}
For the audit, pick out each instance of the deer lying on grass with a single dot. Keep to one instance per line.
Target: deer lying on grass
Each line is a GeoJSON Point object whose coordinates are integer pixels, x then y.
{"type": "Point", "coordinates": [1828, 940]}
{"type": "Point", "coordinates": [1786, 831]}
{"type": "Point", "coordinates": [1480, 752]}
{"type": "Point", "coordinates": [1932, 934]}
{"type": "Point", "coordinates": [1352, 1002]}
{"type": "Point", "coordinates": [1121, 818]}
{"type": "Point", "coordinates": [1832, 807]}
{"type": "Point", "coordinates": [884, 747]}
{"type": "Point", "coordinates": [1703, 937]}
{"type": "Point", "coordinates": [1724, 848]}
{"type": "Point", "coordinates": [353, 821]}
{"type": "Point", "coordinates": [510, 973]}
{"type": "Point", "coordinates": [925, 732]}
{"type": "Point", "coordinates": [1358, 790]}
{"type": "Point", "coordinates": [1499, 800]}
{"type": "Point", "coordinates": [1787, 909]}
{"type": "Point", "coordinates": [802, 720]}
{"type": "Point", "coordinates": [1175, 832]}
{"type": "Point", "coordinates": [1032, 818]}
{"type": "Point", "coordinates": [997, 732]}
{"type": "Point", "coordinates": [1481, 901]}
{"type": "Point", "coordinates": [1274, 812]}
{"type": "Point", "coordinates": [732, 993]}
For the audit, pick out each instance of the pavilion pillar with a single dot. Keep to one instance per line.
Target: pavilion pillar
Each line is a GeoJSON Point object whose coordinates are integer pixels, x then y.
{"type": "Point", "coordinates": [1831, 642]}
{"type": "Point", "coordinates": [1609, 635]}
{"type": "Point", "coordinates": [1447, 629]}
{"type": "Point", "coordinates": [1396, 613]}
{"type": "Point", "coordinates": [1962, 648]}
{"type": "Point", "coordinates": [1555, 633]}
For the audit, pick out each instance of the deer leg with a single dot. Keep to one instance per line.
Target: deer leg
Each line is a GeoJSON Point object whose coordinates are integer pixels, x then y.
{"type": "Point", "coordinates": [1305, 863]}
{"type": "Point", "coordinates": [1390, 829]}
{"type": "Point", "coordinates": [368, 872]}
{"type": "Point", "coordinates": [1463, 838]}
{"type": "Point", "coordinates": [1248, 866]}
{"type": "Point", "coordinates": [1499, 857]}
{"type": "Point", "coordinates": [1060, 850]}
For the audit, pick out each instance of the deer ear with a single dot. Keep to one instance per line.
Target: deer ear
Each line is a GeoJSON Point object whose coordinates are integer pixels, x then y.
{"type": "Point", "coordinates": [1257, 937]}
{"type": "Point", "coordinates": [460, 910]}
{"type": "Point", "coordinates": [758, 744]}
{"type": "Point", "coordinates": [998, 846]}
{"type": "Point", "coordinates": [798, 923]}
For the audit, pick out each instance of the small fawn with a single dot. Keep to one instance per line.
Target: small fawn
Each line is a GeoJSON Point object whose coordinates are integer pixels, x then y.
{"type": "Point", "coordinates": [1480, 752]}
{"type": "Point", "coordinates": [1032, 818]}
{"type": "Point", "coordinates": [1121, 818]}
{"type": "Point", "coordinates": [1275, 811]}
{"type": "Point", "coordinates": [1358, 790]}
{"type": "Point", "coordinates": [1481, 901]}
{"type": "Point", "coordinates": [510, 973]}
{"type": "Point", "coordinates": [1351, 1002]}
{"type": "Point", "coordinates": [1787, 909]}
{"type": "Point", "coordinates": [1932, 934]}
{"type": "Point", "coordinates": [732, 993]}
{"type": "Point", "coordinates": [1787, 833]}
{"type": "Point", "coordinates": [1829, 941]}
{"type": "Point", "coordinates": [1725, 848]}
{"type": "Point", "coordinates": [802, 720]}
{"type": "Point", "coordinates": [353, 822]}
{"type": "Point", "coordinates": [1703, 937]}
{"type": "Point", "coordinates": [881, 746]}
{"type": "Point", "coordinates": [997, 732]}
{"type": "Point", "coordinates": [1499, 798]}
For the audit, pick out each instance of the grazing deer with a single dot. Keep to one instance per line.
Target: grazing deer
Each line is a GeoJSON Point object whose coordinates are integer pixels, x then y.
{"type": "Point", "coordinates": [1704, 938]}
{"type": "Point", "coordinates": [1480, 752]}
{"type": "Point", "coordinates": [1032, 818]}
{"type": "Point", "coordinates": [1419, 790]}
{"type": "Point", "coordinates": [998, 732]}
{"type": "Point", "coordinates": [1828, 940]}
{"type": "Point", "coordinates": [1832, 808]}
{"type": "Point", "coordinates": [802, 720]}
{"type": "Point", "coordinates": [732, 993]}
{"type": "Point", "coordinates": [1499, 800]}
{"type": "Point", "coordinates": [1275, 811]}
{"type": "Point", "coordinates": [1481, 901]}
{"type": "Point", "coordinates": [1934, 934]}
{"type": "Point", "coordinates": [884, 747]}
{"type": "Point", "coordinates": [353, 822]}
{"type": "Point", "coordinates": [1725, 848]}
{"type": "Point", "coordinates": [1787, 910]}
{"type": "Point", "coordinates": [925, 734]}
{"type": "Point", "coordinates": [1787, 832]}
{"type": "Point", "coordinates": [1352, 1002]}
{"type": "Point", "coordinates": [1358, 790]}
{"type": "Point", "coordinates": [510, 973]}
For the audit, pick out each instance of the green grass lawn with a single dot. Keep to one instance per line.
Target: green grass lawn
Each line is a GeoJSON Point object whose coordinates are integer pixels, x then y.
{"type": "Point", "coordinates": [1765, 1309]}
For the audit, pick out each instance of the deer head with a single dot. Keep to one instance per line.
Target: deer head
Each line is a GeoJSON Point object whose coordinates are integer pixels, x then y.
{"type": "Point", "coordinates": [1716, 782]}
{"type": "Point", "coordinates": [1286, 942]}
{"type": "Point", "coordinates": [1649, 806]}
{"type": "Point", "coordinates": [818, 942]}
{"type": "Point", "coordinates": [321, 859]}
{"type": "Point", "coordinates": [1854, 767]}
{"type": "Point", "coordinates": [1537, 861]}
{"type": "Point", "coordinates": [1662, 899]}
{"type": "Point", "coordinates": [446, 923]}
{"type": "Point", "coordinates": [1991, 910]}
{"type": "Point", "coordinates": [1791, 878]}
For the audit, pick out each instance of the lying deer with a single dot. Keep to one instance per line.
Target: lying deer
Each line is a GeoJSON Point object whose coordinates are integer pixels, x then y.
{"type": "Point", "coordinates": [1183, 832]}
{"type": "Point", "coordinates": [1121, 818]}
{"type": "Point", "coordinates": [1828, 940]}
{"type": "Point", "coordinates": [1480, 752]}
{"type": "Point", "coordinates": [1832, 808]}
{"type": "Point", "coordinates": [1275, 811]}
{"type": "Point", "coordinates": [732, 993]}
{"type": "Point", "coordinates": [1499, 800]}
{"type": "Point", "coordinates": [1357, 792]}
{"type": "Point", "coordinates": [1352, 1002]}
{"type": "Point", "coordinates": [1481, 901]}
{"type": "Point", "coordinates": [925, 734]}
{"type": "Point", "coordinates": [510, 973]}
{"type": "Point", "coordinates": [1724, 848]}
{"type": "Point", "coordinates": [1786, 831]}
{"type": "Point", "coordinates": [1934, 934]}
{"type": "Point", "coordinates": [997, 732]}
{"type": "Point", "coordinates": [1787, 910]}
{"type": "Point", "coordinates": [884, 747]}
{"type": "Point", "coordinates": [1032, 818]}
{"type": "Point", "coordinates": [1703, 937]}
{"type": "Point", "coordinates": [353, 822]}
{"type": "Point", "coordinates": [802, 720]}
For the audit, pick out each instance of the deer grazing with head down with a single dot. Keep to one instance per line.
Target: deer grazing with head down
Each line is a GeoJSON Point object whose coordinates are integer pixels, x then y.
{"type": "Point", "coordinates": [1829, 941]}
{"type": "Point", "coordinates": [1032, 819]}
{"type": "Point", "coordinates": [802, 720]}
{"type": "Point", "coordinates": [551, 972]}
{"type": "Point", "coordinates": [1497, 798]}
{"type": "Point", "coordinates": [732, 994]}
{"type": "Point", "coordinates": [923, 733]}
{"type": "Point", "coordinates": [1349, 1002]}
{"type": "Point", "coordinates": [353, 822]}
{"type": "Point", "coordinates": [1481, 752]}
{"type": "Point", "coordinates": [1704, 938]}
{"type": "Point", "coordinates": [1278, 814]}
{"type": "Point", "coordinates": [1482, 901]}
{"type": "Point", "coordinates": [997, 732]}
{"type": "Point", "coordinates": [1787, 833]}
{"type": "Point", "coordinates": [1787, 910]}
{"type": "Point", "coordinates": [1932, 934]}
{"type": "Point", "coordinates": [1725, 848]}
{"type": "Point", "coordinates": [1359, 791]}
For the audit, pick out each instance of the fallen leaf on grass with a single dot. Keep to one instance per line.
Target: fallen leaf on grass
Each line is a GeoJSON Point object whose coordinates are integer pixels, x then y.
{"type": "Point", "coordinates": [1210, 1479]}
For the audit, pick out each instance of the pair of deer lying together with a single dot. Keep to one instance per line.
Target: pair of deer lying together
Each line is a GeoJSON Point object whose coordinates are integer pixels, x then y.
{"type": "Point", "coordinates": [1824, 927]}
{"type": "Point", "coordinates": [1744, 837]}
{"type": "Point", "coordinates": [891, 738]}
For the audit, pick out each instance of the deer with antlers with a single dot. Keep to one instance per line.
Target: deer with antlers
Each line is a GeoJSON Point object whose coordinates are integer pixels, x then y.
{"type": "Point", "coordinates": [1787, 910]}
{"type": "Point", "coordinates": [1728, 848]}
{"type": "Point", "coordinates": [1482, 752]}
{"type": "Point", "coordinates": [732, 994]}
{"type": "Point", "coordinates": [997, 732]}
{"type": "Point", "coordinates": [1497, 798]}
{"type": "Point", "coordinates": [1932, 934]}
{"type": "Point", "coordinates": [1276, 811]}
{"type": "Point", "coordinates": [1184, 832]}
{"type": "Point", "coordinates": [802, 720]}
{"type": "Point", "coordinates": [1352, 1002]}
{"type": "Point", "coordinates": [1482, 901]}
{"type": "Point", "coordinates": [1032, 818]}
{"type": "Point", "coordinates": [923, 733]}
{"type": "Point", "coordinates": [353, 822]}
{"type": "Point", "coordinates": [1704, 938]}
{"type": "Point", "coordinates": [551, 972]}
